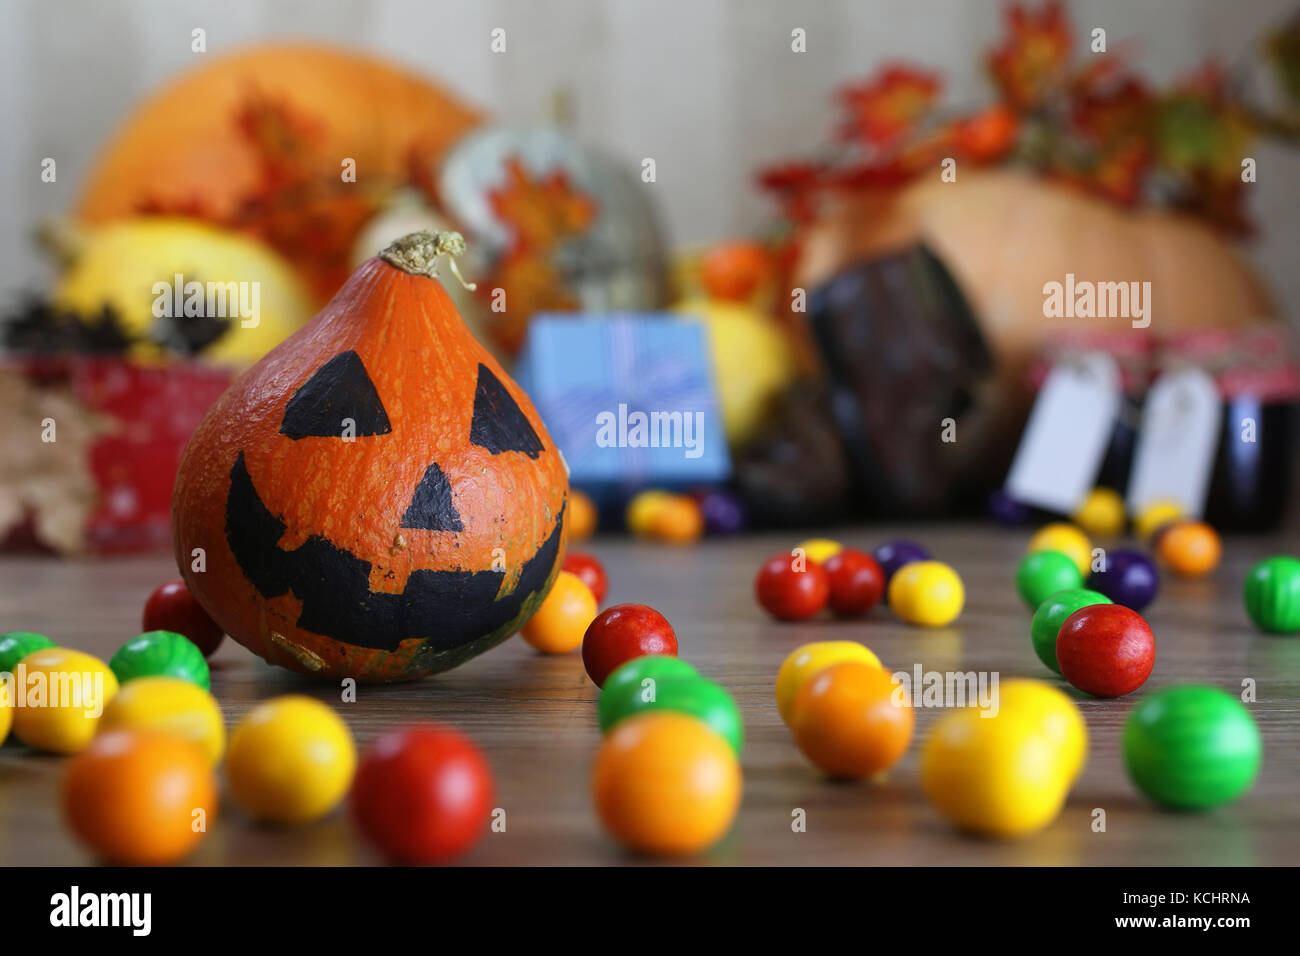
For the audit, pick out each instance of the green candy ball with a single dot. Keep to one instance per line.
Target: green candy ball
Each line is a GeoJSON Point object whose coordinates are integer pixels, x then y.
{"type": "Point", "coordinates": [657, 666]}
{"type": "Point", "coordinates": [696, 696]}
{"type": "Point", "coordinates": [1051, 614]}
{"type": "Point", "coordinates": [16, 645]}
{"type": "Point", "coordinates": [160, 654]}
{"type": "Point", "coordinates": [1043, 573]}
{"type": "Point", "coordinates": [1272, 595]}
{"type": "Point", "coordinates": [1191, 747]}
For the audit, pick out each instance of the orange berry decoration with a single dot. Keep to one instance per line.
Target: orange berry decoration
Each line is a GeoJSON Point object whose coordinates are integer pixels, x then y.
{"type": "Point", "coordinates": [1191, 549]}
{"type": "Point", "coordinates": [582, 517]}
{"type": "Point", "coordinates": [677, 520]}
{"type": "Point", "coordinates": [140, 797]}
{"type": "Point", "coordinates": [666, 783]}
{"type": "Point", "coordinates": [734, 270]}
{"type": "Point", "coordinates": [563, 619]}
{"type": "Point", "coordinates": [852, 720]}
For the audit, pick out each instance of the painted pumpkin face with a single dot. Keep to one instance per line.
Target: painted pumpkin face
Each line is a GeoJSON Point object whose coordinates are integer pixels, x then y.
{"type": "Point", "coordinates": [376, 498]}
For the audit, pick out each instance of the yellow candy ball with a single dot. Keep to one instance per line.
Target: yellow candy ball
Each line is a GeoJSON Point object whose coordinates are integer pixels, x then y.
{"type": "Point", "coordinates": [999, 776]}
{"type": "Point", "coordinates": [1155, 516]}
{"type": "Point", "coordinates": [178, 707]}
{"type": "Point", "coordinates": [63, 694]}
{"type": "Point", "coordinates": [810, 659]}
{"type": "Point", "coordinates": [641, 510]}
{"type": "Point", "coordinates": [928, 593]}
{"type": "Point", "coordinates": [1067, 539]}
{"type": "Point", "coordinates": [1057, 716]}
{"type": "Point", "coordinates": [6, 709]}
{"type": "Point", "coordinates": [1102, 513]}
{"type": "Point", "coordinates": [819, 549]}
{"type": "Point", "coordinates": [291, 760]}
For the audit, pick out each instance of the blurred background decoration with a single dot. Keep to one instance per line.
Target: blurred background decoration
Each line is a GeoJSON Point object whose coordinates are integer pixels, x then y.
{"type": "Point", "coordinates": [662, 163]}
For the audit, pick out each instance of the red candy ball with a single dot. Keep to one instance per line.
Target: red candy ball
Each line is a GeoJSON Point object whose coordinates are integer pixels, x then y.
{"type": "Point", "coordinates": [1106, 650]}
{"type": "Point", "coordinates": [173, 608]}
{"type": "Point", "coordinates": [422, 794]}
{"type": "Point", "coordinates": [791, 594]}
{"type": "Point", "coordinates": [623, 632]}
{"type": "Point", "coordinates": [856, 581]}
{"type": "Point", "coordinates": [589, 572]}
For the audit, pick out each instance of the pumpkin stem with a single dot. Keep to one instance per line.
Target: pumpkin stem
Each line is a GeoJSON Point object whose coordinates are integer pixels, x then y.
{"type": "Point", "coordinates": [417, 254]}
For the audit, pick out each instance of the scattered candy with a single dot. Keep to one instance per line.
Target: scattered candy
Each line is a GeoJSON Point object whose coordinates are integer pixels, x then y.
{"type": "Point", "coordinates": [160, 654]}
{"type": "Point", "coordinates": [140, 797]}
{"type": "Point", "coordinates": [1102, 513]}
{"type": "Point", "coordinates": [1191, 549]}
{"type": "Point", "coordinates": [892, 555]}
{"type": "Point", "coordinates": [422, 794]}
{"type": "Point", "coordinates": [676, 520]}
{"type": "Point", "coordinates": [928, 593]}
{"type": "Point", "coordinates": [666, 783]}
{"type": "Point", "coordinates": [290, 760]}
{"type": "Point", "coordinates": [1068, 540]}
{"type": "Point", "coordinates": [1191, 747]}
{"type": "Point", "coordinates": [1272, 595]}
{"type": "Point", "coordinates": [72, 694]}
{"type": "Point", "coordinates": [1006, 510]}
{"type": "Point", "coordinates": [691, 695]}
{"type": "Point", "coordinates": [1106, 650]}
{"type": "Point", "coordinates": [563, 617]}
{"type": "Point", "coordinates": [856, 582]}
{"type": "Point", "coordinates": [1057, 717]}
{"type": "Point", "coordinates": [649, 667]}
{"type": "Point", "coordinates": [590, 571]}
{"type": "Point", "coordinates": [804, 662]}
{"type": "Point", "coordinates": [852, 720]}
{"type": "Point", "coordinates": [16, 645]}
{"type": "Point", "coordinates": [1042, 573]}
{"type": "Point", "coordinates": [582, 517]}
{"type": "Point", "coordinates": [1127, 577]}
{"type": "Point", "coordinates": [724, 512]}
{"type": "Point", "coordinates": [1051, 614]}
{"type": "Point", "coordinates": [791, 588]}
{"type": "Point", "coordinates": [168, 705]}
{"type": "Point", "coordinates": [623, 632]}
{"type": "Point", "coordinates": [1154, 516]}
{"type": "Point", "coordinates": [819, 549]}
{"type": "Point", "coordinates": [173, 608]}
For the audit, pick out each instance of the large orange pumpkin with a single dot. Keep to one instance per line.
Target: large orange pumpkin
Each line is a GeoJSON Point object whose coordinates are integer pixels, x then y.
{"type": "Point", "coordinates": [375, 498]}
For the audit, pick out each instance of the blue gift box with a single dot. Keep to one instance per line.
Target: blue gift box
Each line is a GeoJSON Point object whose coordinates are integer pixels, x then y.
{"type": "Point", "coordinates": [628, 398]}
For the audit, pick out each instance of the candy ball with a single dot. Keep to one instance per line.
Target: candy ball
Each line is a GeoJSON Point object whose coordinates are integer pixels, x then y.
{"type": "Point", "coordinates": [997, 776]}
{"type": "Point", "coordinates": [160, 654]}
{"type": "Point", "coordinates": [6, 709]}
{"type": "Point", "coordinates": [1057, 717]}
{"type": "Point", "coordinates": [16, 645]}
{"type": "Point", "coordinates": [642, 509]}
{"type": "Point", "coordinates": [677, 520]}
{"type": "Point", "coordinates": [856, 582]}
{"type": "Point", "coordinates": [810, 659]}
{"type": "Point", "coordinates": [64, 704]}
{"type": "Point", "coordinates": [621, 633]}
{"type": "Point", "coordinates": [581, 517]}
{"type": "Point", "coordinates": [691, 695]}
{"type": "Point", "coordinates": [173, 608]}
{"type": "Point", "coordinates": [1191, 549]}
{"type": "Point", "coordinates": [790, 588]}
{"type": "Point", "coordinates": [563, 617]}
{"type": "Point", "coordinates": [666, 783]}
{"type": "Point", "coordinates": [1068, 540]}
{"type": "Point", "coordinates": [724, 512]}
{"type": "Point", "coordinates": [422, 794]}
{"type": "Point", "coordinates": [290, 760]}
{"type": "Point", "coordinates": [1101, 514]}
{"type": "Point", "coordinates": [1051, 614]}
{"type": "Point", "coordinates": [852, 720]}
{"type": "Point", "coordinates": [1007, 510]}
{"type": "Point", "coordinates": [892, 555]}
{"type": "Point", "coordinates": [1190, 747]}
{"type": "Point", "coordinates": [1126, 577]}
{"type": "Point", "coordinates": [1043, 573]}
{"type": "Point", "coordinates": [928, 593]}
{"type": "Point", "coordinates": [589, 571]}
{"type": "Point", "coordinates": [1106, 650]}
{"type": "Point", "coordinates": [1272, 595]}
{"type": "Point", "coordinates": [140, 797]}
{"type": "Point", "coordinates": [819, 549]}
{"type": "Point", "coordinates": [641, 672]}
{"type": "Point", "coordinates": [1154, 516]}
{"type": "Point", "coordinates": [169, 705]}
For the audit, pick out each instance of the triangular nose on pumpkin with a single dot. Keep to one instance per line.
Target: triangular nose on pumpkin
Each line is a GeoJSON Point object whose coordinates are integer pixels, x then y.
{"type": "Point", "coordinates": [431, 507]}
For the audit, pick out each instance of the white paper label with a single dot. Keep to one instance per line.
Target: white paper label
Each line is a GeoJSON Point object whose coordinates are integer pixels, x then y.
{"type": "Point", "coordinates": [1066, 437]}
{"type": "Point", "coordinates": [1176, 446]}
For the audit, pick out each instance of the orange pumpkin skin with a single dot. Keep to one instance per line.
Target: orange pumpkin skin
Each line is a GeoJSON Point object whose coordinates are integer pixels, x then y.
{"type": "Point", "coordinates": [380, 557]}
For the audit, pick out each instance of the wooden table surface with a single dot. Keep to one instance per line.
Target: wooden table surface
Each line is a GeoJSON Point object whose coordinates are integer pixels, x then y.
{"type": "Point", "coordinates": [535, 717]}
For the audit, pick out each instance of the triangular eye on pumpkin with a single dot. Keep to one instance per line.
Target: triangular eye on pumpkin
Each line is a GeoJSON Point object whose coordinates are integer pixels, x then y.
{"type": "Point", "coordinates": [431, 507]}
{"type": "Point", "coordinates": [499, 423]}
{"type": "Point", "coordinates": [340, 389]}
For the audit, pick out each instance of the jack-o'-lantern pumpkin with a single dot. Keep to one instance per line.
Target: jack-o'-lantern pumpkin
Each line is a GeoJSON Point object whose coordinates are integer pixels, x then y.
{"type": "Point", "coordinates": [375, 498]}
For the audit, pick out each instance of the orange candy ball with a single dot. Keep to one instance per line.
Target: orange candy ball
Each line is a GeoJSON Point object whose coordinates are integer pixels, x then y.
{"type": "Point", "coordinates": [1191, 549]}
{"type": "Point", "coordinates": [666, 783]}
{"type": "Point", "coordinates": [140, 797]}
{"type": "Point", "coordinates": [563, 618]}
{"type": "Point", "coordinates": [581, 517]}
{"type": "Point", "coordinates": [852, 720]}
{"type": "Point", "coordinates": [677, 520]}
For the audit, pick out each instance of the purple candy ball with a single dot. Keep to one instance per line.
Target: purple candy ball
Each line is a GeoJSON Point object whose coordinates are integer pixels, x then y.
{"type": "Point", "coordinates": [892, 555]}
{"type": "Point", "coordinates": [1006, 510]}
{"type": "Point", "coordinates": [724, 512]}
{"type": "Point", "coordinates": [1129, 578]}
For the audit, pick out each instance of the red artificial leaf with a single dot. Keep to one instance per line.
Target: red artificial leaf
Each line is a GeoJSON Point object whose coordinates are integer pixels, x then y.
{"type": "Point", "coordinates": [1032, 65]}
{"type": "Point", "coordinates": [885, 107]}
{"type": "Point", "coordinates": [988, 135]}
{"type": "Point", "coordinates": [540, 211]}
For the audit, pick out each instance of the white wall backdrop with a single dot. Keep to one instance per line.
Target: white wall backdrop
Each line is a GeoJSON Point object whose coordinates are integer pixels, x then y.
{"type": "Point", "coordinates": [707, 87]}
